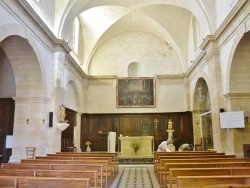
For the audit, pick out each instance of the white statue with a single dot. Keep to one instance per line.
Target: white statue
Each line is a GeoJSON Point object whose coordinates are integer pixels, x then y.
{"type": "Point", "coordinates": [62, 114]}
{"type": "Point", "coordinates": [170, 124]}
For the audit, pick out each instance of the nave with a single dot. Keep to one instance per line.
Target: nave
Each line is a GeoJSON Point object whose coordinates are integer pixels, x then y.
{"type": "Point", "coordinates": [136, 175]}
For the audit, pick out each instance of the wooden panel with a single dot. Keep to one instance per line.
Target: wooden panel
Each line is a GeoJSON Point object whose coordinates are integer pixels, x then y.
{"type": "Point", "coordinates": [95, 128]}
{"type": "Point", "coordinates": [146, 126]}
{"type": "Point", "coordinates": [91, 127]}
{"type": "Point", "coordinates": [135, 126]}
{"type": "Point", "coordinates": [125, 128]}
{"type": "Point", "coordinates": [104, 125]}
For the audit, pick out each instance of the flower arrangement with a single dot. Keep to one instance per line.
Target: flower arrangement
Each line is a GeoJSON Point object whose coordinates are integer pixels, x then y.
{"type": "Point", "coordinates": [88, 143]}
{"type": "Point", "coordinates": [136, 145]}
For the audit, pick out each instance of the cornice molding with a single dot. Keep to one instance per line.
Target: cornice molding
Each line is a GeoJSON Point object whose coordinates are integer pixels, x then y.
{"type": "Point", "coordinates": [237, 95]}
{"type": "Point", "coordinates": [103, 77]}
{"type": "Point", "coordinates": [173, 79]}
{"type": "Point", "coordinates": [102, 80]}
{"type": "Point", "coordinates": [196, 61]}
{"type": "Point", "coordinates": [170, 76]}
{"type": "Point", "coordinates": [75, 66]}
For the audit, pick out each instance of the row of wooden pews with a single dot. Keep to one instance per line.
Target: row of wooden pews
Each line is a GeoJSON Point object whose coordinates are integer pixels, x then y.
{"type": "Point", "coordinates": [201, 169]}
{"type": "Point", "coordinates": [63, 169]}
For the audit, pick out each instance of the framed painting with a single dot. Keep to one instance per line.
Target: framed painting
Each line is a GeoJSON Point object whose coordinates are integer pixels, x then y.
{"type": "Point", "coordinates": [136, 92]}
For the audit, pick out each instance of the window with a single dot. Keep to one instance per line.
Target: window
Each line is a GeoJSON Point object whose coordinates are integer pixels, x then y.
{"type": "Point", "coordinates": [75, 35]}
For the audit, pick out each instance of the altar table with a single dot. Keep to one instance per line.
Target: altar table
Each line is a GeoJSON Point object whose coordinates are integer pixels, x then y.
{"type": "Point", "coordinates": [126, 148]}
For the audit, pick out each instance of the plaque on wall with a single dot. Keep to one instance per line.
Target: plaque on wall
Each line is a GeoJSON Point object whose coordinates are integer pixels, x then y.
{"type": "Point", "coordinates": [135, 92]}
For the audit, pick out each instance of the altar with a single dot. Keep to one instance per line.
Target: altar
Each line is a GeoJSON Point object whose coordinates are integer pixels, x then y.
{"type": "Point", "coordinates": [144, 144]}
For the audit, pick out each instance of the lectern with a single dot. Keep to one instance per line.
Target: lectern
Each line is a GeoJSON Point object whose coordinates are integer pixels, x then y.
{"type": "Point", "coordinates": [111, 142]}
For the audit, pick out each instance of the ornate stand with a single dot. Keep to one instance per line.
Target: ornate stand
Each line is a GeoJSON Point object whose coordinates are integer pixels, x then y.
{"type": "Point", "coordinates": [170, 135]}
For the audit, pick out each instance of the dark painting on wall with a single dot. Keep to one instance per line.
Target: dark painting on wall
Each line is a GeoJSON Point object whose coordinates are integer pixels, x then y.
{"type": "Point", "coordinates": [135, 92]}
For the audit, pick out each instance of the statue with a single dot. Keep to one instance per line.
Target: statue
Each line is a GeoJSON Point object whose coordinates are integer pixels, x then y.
{"type": "Point", "coordinates": [170, 124]}
{"type": "Point", "coordinates": [62, 114]}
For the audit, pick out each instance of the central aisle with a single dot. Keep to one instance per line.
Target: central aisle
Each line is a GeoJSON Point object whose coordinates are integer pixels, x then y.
{"type": "Point", "coordinates": [136, 175]}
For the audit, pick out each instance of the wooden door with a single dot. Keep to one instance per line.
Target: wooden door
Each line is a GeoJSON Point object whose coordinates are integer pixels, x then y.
{"type": "Point", "coordinates": [68, 134]}
{"type": "Point", "coordinates": [7, 110]}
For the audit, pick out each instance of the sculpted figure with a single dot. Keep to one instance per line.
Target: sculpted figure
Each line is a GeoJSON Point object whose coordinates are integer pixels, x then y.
{"type": "Point", "coordinates": [62, 114]}
{"type": "Point", "coordinates": [170, 124]}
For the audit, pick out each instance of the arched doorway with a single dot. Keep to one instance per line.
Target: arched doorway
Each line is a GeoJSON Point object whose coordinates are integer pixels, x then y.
{"type": "Point", "coordinates": [203, 131]}
{"type": "Point", "coordinates": [26, 87]}
{"type": "Point", "coordinates": [70, 100]}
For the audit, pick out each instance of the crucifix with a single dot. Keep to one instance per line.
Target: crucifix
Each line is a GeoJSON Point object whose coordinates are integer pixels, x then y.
{"type": "Point", "coordinates": [156, 121]}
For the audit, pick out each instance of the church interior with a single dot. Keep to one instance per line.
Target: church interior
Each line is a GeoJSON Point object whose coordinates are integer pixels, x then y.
{"type": "Point", "coordinates": [153, 62]}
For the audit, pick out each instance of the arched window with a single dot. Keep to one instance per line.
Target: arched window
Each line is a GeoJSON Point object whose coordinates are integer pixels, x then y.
{"type": "Point", "coordinates": [76, 26]}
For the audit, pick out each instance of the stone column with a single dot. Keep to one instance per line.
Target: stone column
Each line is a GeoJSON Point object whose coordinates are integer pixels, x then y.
{"type": "Point", "coordinates": [29, 126]}
{"type": "Point", "coordinates": [57, 90]}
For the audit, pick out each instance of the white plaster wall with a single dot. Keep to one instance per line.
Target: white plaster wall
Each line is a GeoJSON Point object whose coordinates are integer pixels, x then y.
{"type": "Point", "coordinates": [6, 17]}
{"type": "Point", "coordinates": [155, 55]}
{"type": "Point", "coordinates": [169, 98]}
{"type": "Point", "coordinates": [223, 8]}
{"type": "Point", "coordinates": [70, 97]}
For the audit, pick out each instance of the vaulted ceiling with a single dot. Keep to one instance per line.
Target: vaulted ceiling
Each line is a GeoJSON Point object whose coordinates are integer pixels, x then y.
{"type": "Point", "coordinates": [174, 21]}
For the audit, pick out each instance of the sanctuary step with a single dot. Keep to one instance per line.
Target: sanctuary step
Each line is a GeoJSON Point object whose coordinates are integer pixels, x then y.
{"type": "Point", "coordinates": [138, 160]}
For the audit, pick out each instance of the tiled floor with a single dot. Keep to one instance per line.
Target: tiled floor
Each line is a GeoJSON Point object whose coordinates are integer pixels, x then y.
{"type": "Point", "coordinates": [136, 176]}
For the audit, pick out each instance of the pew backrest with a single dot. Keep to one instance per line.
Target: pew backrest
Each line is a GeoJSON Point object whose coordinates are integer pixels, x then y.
{"type": "Point", "coordinates": [212, 181]}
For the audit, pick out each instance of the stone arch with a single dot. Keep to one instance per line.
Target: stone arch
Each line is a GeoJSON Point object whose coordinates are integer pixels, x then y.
{"type": "Point", "coordinates": [231, 56]}
{"type": "Point", "coordinates": [239, 73]}
{"type": "Point", "coordinates": [201, 96]}
{"type": "Point", "coordinates": [25, 60]}
{"type": "Point", "coordinates": [203, 77]}
{"type": "Point", "coordinates": [202, 105]}
{"type": "Point", "coordinates": [71, 95]}
{"type": "Point", "coordinates": [30, 101]}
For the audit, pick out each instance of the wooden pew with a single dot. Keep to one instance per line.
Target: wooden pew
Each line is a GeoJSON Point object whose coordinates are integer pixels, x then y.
{"type": "Point", "coordinates": [203, 165]}
{"type": "Point", "coordinates": [161, 172]}
{"type": "Point", "coordinates": [191, 157]}
{"type": "Point", "coordinates": [70, 174]}
{"type": "Point", "coordinates": [108, 175]}
{"type": "Point", "coordinates": [23, 182]}
{"type": "Point", "coordinates": [81, 167]}
{"type": "Point", "coordinates": [114, 155]}
{"type": "Point", "coordinates": [174, 172]}
{"type": "Point", "coordinates": [111, 168]}
{"type": "Point", "coordinates": [156, 154]}
{"type": "Point", "coordinates": [54, 182]}
{"type": "Point", "coordinates": [186, 153]}
{"type": "Point", "coordinates": [157, 165]}
{"type": "Point", "coordinates": [92, 174]}
{"type": "Point", "coordinates": [213, 181]}
{"type": "Point", "coordinates": [7, 182]}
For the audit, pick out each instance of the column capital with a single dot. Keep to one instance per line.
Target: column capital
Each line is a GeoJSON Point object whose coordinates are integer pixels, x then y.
{"type": "Point", "coordinates": [31, 99]}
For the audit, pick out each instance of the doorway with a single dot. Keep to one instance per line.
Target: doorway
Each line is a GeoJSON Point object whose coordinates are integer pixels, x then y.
{"type": "Point", "coordinates": [67, 138]}
{"type": "Point", "coordinates": [206, 131]}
